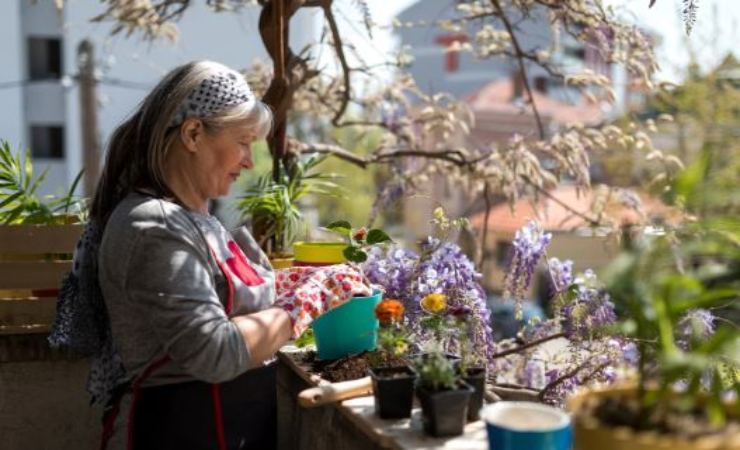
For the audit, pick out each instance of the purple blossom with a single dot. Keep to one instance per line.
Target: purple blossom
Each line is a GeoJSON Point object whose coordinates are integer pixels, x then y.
{"type": "Point", "coordinates": [697, 325]}
{"type": "Point", "coordinates": [460, 312]}
{"type": "Point", "coordinates": [589, 310]}
{"type": "Point", "coordinates": [630, 354]}
{"type": "Point", "coordinates": [534, 374]}
{"type": "Point", "coordinates": [529, 245]}
{"type": "Point", "coordinates": [561, 273]}
{"type": "Point", "coordinates": [442, 267]}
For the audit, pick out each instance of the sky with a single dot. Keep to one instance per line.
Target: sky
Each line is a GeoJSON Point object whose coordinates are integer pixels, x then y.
{"type": "Point", "coordinates": [714, 35]}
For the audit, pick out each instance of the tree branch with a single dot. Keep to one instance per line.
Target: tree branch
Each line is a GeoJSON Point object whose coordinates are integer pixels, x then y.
{"type": "Point", "coordinates": [520, 59]}
{"type": "Point", "coordinates": [326, 5]}
{"type": "Point", "coordinates": [555, 383]}
{"type": "Point", "coordinates": [487, 199]}
{"type": "Point", "coordinates": [590, 220]}
{"type": "Point", "coordinates": [531, 344]}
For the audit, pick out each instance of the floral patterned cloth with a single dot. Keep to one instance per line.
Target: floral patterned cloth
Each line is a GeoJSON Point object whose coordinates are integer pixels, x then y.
{"type": "Point", "coordinates": [307, 292]}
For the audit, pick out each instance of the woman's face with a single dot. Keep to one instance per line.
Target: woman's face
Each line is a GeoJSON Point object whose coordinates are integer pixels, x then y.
{"type": "Point", "coordinates": [221, 156]}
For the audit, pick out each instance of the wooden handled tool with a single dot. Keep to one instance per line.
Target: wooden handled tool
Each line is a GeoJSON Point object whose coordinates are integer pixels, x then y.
{"type": "Point", "coordinates": [335, 392]}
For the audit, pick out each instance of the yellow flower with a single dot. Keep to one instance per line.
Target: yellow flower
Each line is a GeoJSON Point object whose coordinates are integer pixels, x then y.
{"type": "Point", "coordinates": [434, 303]}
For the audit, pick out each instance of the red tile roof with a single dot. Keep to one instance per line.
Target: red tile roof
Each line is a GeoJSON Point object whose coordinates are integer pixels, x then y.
{"type": "Point", "coordinates": [496, 97]}
{"type": "Point", "coordinates": [553, 216]}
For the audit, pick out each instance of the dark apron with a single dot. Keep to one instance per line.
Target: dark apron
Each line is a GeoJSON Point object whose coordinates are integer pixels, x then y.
{"type": "Point", "coordinates": [240, 414]}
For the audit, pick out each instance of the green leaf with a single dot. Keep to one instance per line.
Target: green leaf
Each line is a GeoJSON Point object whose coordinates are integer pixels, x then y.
{"type": "Point", "coordinates": [10, 199]}
{"type": "Point", "coordinates": [305, 339]}
{"type": "Point", "coordinates": [376, 236]}
{"type": "Point", "coordinates": [340, 227]}
{"type": "Point", "coordinates": [355, 254]}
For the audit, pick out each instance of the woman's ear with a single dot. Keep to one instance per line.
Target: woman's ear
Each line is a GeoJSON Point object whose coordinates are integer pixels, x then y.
{"type": "Point", "coordinates": [190, 132]}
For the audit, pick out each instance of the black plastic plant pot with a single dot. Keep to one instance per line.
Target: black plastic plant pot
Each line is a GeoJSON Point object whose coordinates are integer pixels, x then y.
{"type": "Point", "coordinates": [393, 388]}
{"type": "Point", "coordinates": [444, 413]}
{"type": "Point", "coordinates": [476, 378]}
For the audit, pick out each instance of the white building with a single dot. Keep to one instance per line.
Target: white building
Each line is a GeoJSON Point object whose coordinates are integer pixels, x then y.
{"type": "Point", "coordinates": [39, 93]}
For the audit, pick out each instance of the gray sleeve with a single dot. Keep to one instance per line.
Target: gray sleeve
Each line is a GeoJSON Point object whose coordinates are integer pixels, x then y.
{"type": "Point", "coordinates": [168, 277]}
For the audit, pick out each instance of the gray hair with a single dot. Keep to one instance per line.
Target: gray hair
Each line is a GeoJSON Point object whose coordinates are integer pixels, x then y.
{"type": "Point", "coordinates": [138, 148]}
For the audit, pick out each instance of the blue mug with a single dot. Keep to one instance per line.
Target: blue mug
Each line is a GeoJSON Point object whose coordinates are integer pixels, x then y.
{"type": "Point", "coordinates": [526, 426]}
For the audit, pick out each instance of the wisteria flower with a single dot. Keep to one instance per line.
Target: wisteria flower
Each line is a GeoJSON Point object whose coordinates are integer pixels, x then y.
{"type": "Point", "coordinates": [561, 273]}
{"type": "Point", "coordinates": [529, 245]}
{"type": "Point", "coordinates": [590, 310]}
{"type": "Point", "coordinates": [440, 268]}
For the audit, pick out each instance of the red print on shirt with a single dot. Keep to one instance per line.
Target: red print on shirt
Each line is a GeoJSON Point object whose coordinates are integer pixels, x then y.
{"type": "Point", "coordinates": [241, 268]}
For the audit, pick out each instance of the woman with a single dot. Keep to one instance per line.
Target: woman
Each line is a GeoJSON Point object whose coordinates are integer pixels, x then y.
{"type": "Point", "coordinates": [191, 307]}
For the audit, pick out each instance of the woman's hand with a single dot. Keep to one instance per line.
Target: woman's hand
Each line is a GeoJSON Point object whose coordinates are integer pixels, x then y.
{"type": "Point", "coordinates": [264, 332]}
{"type": "Point", "coordinates": [307, 292]}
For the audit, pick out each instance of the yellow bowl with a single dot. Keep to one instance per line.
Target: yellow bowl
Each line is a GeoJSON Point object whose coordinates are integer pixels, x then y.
{"type": "Point", "coordinates": [319, 252]}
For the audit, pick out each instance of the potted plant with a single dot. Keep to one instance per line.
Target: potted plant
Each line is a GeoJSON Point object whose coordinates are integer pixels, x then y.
{"type": "Point", "coordinates": [471, 366]}
{"type": "Point", "coordinates": [687, 359]}
{"type": "Point", "coordinates": [19, 203]}
{"type": "Point", "coordinates": [351, 327]}
{"type": "Point", "coordinates": [38, 236]}
{"type": "Point", "coordinates": [354, 247]}
{"type": "Point", "coordinates": [274, 205]}
{"type": "Point", "coordinates": [443, 395]}
{"type": "Point", "coordinates": [393, 383]}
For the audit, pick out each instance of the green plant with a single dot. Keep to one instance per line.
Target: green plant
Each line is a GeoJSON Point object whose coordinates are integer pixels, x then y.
{"type": "Point", "coordinates": [305, 339]}
{"type": "Point", "coordinates": [19, 203]}
{"type": "Point", "coordinates": [273, 205]}
{"type": "Point", "coordinates": [669, 284]}
{"type": "Point", "coordinates": [393, 337]}
{"type": "Point", "coordinates": [436, 372]}
{"type": "Point", "coordinates": [358, 240]}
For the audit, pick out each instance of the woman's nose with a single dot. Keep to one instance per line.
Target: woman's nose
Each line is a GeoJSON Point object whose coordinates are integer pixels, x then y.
{"type": "Point", "coordinates": [246, 161]}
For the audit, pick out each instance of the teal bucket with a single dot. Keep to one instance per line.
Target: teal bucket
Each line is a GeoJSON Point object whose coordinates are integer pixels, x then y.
{"type": "Point", "coordinates": [347, 329]}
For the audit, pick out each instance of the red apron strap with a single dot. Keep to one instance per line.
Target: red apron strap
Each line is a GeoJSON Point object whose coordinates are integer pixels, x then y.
{"type": "Point", "coordinates": [135, 387]}
{"type": "Point", "coordinates": [215, 388]}
{"type": "Point", "coordinates": [229, 282]}
{"type": "Point", "coordinates": [218, 415]}
{"type": "Point", "coordinates": [110, 418]}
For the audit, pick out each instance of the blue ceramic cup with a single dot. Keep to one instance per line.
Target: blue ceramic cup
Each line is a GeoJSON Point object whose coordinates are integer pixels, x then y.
{"type": "Point", "coordinates": [526, 426]}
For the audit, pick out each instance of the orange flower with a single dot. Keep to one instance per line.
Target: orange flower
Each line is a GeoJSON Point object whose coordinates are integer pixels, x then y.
{"type": "Point", "coordinates": [389, 311]}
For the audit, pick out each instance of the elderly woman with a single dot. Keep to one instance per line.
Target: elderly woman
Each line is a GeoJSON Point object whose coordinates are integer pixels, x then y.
{"type": "Point", "coordinates": [189, 316]}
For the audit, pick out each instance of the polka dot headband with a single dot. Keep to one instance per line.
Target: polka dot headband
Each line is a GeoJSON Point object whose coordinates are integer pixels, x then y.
{"type": "Point", "coordinates": [223, 88]}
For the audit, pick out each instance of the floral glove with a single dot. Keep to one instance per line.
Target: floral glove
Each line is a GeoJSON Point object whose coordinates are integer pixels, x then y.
{"type": "Point", "coordinates": [307, 292]}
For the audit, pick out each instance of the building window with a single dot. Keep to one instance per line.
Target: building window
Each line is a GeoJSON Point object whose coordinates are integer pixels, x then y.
{"type": "Point", "coordinates": [47, 141]}
{"type": "Point", "coordinates": [44, 58]}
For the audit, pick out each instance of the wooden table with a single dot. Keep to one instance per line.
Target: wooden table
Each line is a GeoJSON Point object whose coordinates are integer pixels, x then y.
{"type": "Point", "coordinates": [352, 424]}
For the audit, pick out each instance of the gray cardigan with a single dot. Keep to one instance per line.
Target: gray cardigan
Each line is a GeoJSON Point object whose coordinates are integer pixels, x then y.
{"type": "Point", "coordinates": [165, 292]}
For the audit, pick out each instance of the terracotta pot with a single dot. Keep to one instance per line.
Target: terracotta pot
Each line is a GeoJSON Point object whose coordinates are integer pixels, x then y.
{"type": "Point", "coordinates": [589, 434]}
{"type": "Point", "coordinates": [393, 389]}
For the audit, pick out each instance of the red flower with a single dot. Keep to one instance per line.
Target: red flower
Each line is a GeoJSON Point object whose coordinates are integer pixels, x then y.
{"type": "Point", "coordinates": [360, 234]}
{"type": "Point", "coordinates": [389, 311]}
